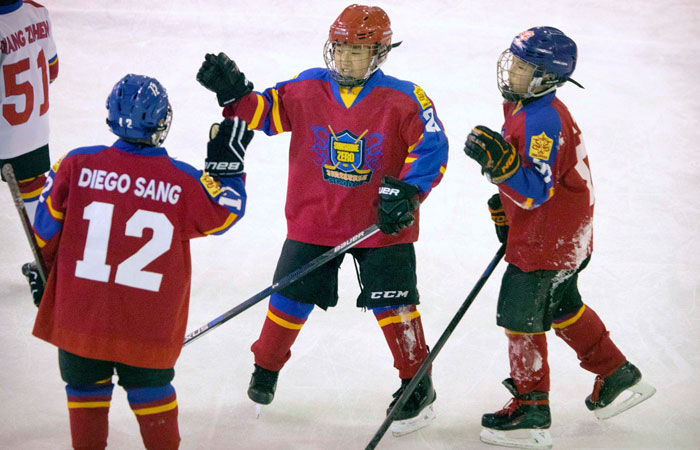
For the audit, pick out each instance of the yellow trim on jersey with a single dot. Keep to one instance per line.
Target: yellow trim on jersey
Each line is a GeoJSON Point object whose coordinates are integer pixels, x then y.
{"type": "Point", "coordinates": [410, 159]}
{"type": "Point", "coordinates": [39, 241]}
{"type": "Point", "coordinates": [398, 319]}
{"type": "Point", "coordinates": [105, 381]}
{"type": "Point", "coordinates": [443, 169]}
{"type": "Point", "coordinates": [54, 62]}
{"type": "Point", "coordinates": [528, 203]}
{"type": "Point", "coordinates": [156, 409]}
{"type": "Point", "coordinates": [283, 323]}
{"type": "Point", "coordinates": [571, 321]}
{"type": "Point", "coordinates": [551, 192]}
{"type": "Point", "coordinates": [276, 112]}
{"type": "Point", "coordinates": [255, 122]}
{"type": "Point", "coordinates": [229, 220]}
{"type": "Point", "coordinates": [75, 405]}
{"type": "Point", "coordinates": [58, 215]}
{"type": "Point", "coordinates": [410, 149]}
{"type": "Point", "coordinates": [34, 194]}
{"type": "Point", "coordinates": [518, 333]}
{"type": "Point", "coordinates": [349, 95]}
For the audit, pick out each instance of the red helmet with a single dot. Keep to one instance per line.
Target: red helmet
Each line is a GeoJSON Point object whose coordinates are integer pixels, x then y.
{"type": "Point", "coordinates": [360, 24]}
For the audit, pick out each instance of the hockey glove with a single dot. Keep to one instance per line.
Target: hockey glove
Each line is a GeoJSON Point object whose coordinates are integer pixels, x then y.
{"type": "Point", "coordinates": [498, 215]}
{"type": "Point", "coordinates": [499, 160]}
{"type": "Point", "coordinates": [220, 74]}
{"type": "Point", "coordinates": [226, 148]}
{"type": "Point", "coordinates": [397, 200]}
{"type": "Point", "coordinates": [36, 285]}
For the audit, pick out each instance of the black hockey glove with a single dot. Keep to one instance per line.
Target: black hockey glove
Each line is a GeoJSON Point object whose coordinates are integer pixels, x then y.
{"type": "Point", "coordinates": [397, 200]}
{"type": "Point", "coordinates": [226, 148]}
{"type": "Point", "coordinates": [36, 285]}
{"type": "Point", "coordinates": [498, 215]}
{"type": "Point", "coordinates": [220, 74]}
{"type": "Point", "coordinates": [499, 160]}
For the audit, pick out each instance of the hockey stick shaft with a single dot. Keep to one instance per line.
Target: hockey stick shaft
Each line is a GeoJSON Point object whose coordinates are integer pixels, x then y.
{"type": "Point", "coordinates": [283, 282]}
{"type": "Point", "coordinates": [9, 174]}
{"type": "Point", "coordinates": [423, 369]}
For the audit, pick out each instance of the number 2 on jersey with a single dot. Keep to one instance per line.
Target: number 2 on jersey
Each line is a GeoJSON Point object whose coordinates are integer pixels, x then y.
{"type": "Point", "coordinates": [130, 272]}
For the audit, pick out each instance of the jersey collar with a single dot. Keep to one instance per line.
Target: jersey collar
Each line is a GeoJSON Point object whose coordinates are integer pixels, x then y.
{"type": "Point", "coordinates": [11, 7]}
{"type": "Point", "coordinates": [139, 149]}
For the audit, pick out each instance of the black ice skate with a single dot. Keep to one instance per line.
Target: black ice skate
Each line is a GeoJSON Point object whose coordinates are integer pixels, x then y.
{"type": "Point", "coordinates": [262, 387]}
{"type": "Point", "coordinates": [606, 390]}
{"type": "Point", "coordinates": [418, 411]}
{"type": "Point", "coordinates": [523, 423]}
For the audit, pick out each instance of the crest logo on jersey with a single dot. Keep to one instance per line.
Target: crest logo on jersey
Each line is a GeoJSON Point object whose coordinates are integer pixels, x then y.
{"type": "Point", "coordinates": [421, 97]}
{"type": "Point", "coordinates": [211, 185]}
{"type": "Point", "coordinates": [346, 159]}
{"type": "Point", "coordinates": [541, 147]}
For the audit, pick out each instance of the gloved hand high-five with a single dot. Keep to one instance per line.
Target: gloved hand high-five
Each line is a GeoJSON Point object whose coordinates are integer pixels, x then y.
{"type": "Point", "coordinates": [226, 148]}
{"type": "Point", "coordinates": [220, 74]}
{"type": "Point", "coordinates": [498, 159]}
{"type": "Point", "coordinates": [397, 201]}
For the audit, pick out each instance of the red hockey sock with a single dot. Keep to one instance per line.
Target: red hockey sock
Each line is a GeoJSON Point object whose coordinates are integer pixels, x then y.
{"type": "Point", "coordinates": [529, 368]}
{"type": "Point", "coordinates": [31, 190]}
{"type": "Point", "coordinates": [586, 334]}
{"type": "Point", "coordinates": [156, 411]}
{"type": "Point", "coordinates": [88, 409]}
{"type": "Point", "coordinates": [284, 321]}
{"type": "Point", "coordinates": [403, 331]}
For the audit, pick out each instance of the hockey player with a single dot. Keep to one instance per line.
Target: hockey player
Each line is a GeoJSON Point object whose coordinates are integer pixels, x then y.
{"type": "Point", "coordinates": [355, 132]}
{"type": "Point", "coordinates": [28, 63]}
{"type": "Point", "coordinates": [544, 210]}
{"type": "Point", "coordinates": [114, 223]}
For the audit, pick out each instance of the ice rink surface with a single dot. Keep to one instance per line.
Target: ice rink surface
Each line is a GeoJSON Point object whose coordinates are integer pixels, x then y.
{"type": "Point", "coordinates": [640, 118]}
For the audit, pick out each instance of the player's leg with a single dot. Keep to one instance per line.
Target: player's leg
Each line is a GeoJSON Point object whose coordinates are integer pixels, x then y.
{"type": "Point", "coordinates": [89, 390]}
{"type": "Point", "coordinates": [287, 313]}
{"type": "Point", "coordinates": [153, 400]}
{"type": "Point", "coordinates": [29, 171]}
{"type": "Point", "coordinates": [388, 279]}
{"type": "Point", "coordinates": [581, 328]}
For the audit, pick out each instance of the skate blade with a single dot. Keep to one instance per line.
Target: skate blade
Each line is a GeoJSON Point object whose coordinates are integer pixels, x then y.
{"type": "Point", "coordinates": [422, 420]}
{"type": "Point", "coordinates": [637, 394]}
{"type": "Point", "coordinates": [531, 438]}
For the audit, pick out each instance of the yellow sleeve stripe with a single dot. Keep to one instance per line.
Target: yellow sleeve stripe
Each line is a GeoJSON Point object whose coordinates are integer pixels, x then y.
{"type": "Point", "coordinates": [518, 333]}
{"type": "Point", "coordinates": [39, 241]}
{"type": "Point", "coordinates": [410, 159]}
{"type": "Point", "coordinates": [34, 194]}
{"type": "Point", "coordinates": [156, 409]}
{"type": "Point", "coordinates": [528, 203]}
{"type": "Point", "coordinates": [229, 220]}
{"type": "Point", "coordinates": [51, 63]}
{"type": "Point", "coordinates": [410, 149]}
{"type": "Point", "coordinates": [56, 214]}
{"type": "Point", "coordinates": [551, 192]}
{"type": "Point", "coordinates": [276, 112]}
{"type": "Point", "coordinates": [571, 321]}
{"type": "Point", "coordinates": [443, 169]}
{"type": "Point", "coordinates": [283, 323]}
{"type": "Point", "coordinates": [255, 122]}
{"type": "Point", "coordinates": [398, 319]}
{"type": "Point", "coordinates": [75, 405]}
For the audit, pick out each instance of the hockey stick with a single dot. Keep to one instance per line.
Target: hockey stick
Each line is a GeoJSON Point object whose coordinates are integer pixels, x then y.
{"type": "Point", "coordinates": [9, 174]}
{"type": "Point", "coordinates": [283, 282]}
{"type": "Point", "coordinates": [435, 350]}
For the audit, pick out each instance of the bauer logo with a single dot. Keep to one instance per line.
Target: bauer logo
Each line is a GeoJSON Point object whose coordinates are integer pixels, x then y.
{"type": "Point", "coordinates": [541, 147]}
{"type": "Point", "coordinates": [388, 191]}
{"type": "Point", "coordinates": [421, 97]}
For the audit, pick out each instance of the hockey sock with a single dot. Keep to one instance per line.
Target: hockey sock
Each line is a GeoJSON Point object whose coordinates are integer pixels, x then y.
{"type": "Point", "coordinates": [31, 190]}
{"type": "Point", "coordinates": [586, 334]}
{"type": "Point", "coordinates": [156, 411]}
{"type": "Point", "coordinates": [403, 331]}
{"type": "Point", "coordinates": [284, 320]}
{"type": "Point", "coordinates": [529, 368]}
{"type": "Point", "coordinates": [88, 410]}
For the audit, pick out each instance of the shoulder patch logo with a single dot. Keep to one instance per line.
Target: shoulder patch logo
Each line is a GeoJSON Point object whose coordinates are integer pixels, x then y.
{"type": "Point", "coordinates": [211, 185]}
{"type": "Point", "coordinates": [57, 164]}
{"type": "Point", "coordinates": [421, 97]}
{"type": "Point", "coordinates": [541, 147]}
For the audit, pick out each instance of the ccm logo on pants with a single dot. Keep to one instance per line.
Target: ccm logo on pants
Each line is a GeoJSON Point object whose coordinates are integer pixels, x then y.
{"type": "Point", "coordinates": [389, 294]}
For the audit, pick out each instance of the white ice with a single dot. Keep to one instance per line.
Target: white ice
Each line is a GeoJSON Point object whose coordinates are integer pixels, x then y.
{"type": "Point", "coordinates": [640, 118]}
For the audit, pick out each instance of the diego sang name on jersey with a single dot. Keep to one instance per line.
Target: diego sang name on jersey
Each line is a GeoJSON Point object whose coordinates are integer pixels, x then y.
{"type": "Point", "coordinates": [156, 190]}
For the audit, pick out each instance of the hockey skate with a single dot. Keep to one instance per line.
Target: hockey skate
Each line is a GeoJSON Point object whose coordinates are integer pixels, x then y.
{"type": "Point", "coordinates": [418, 411]}
{"type": "Point", "coordinates": [606, 390]}
{"type": "Point", "coordinates": [262, 386]}
{"type": "Point", "coordinates": [523, 423]}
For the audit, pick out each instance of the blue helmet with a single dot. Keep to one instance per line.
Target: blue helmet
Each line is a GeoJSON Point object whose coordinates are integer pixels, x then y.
{"type": "Point", "coordinates": [552, 54]}
{"type": "Point", "coordinates": [138, 110]}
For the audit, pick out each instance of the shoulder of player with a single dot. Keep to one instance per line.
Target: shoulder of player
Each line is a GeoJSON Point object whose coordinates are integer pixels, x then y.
{"type": "Point", "coordinates": [402, 87]}
{"type": "Point", "coordinates": [316, 73]}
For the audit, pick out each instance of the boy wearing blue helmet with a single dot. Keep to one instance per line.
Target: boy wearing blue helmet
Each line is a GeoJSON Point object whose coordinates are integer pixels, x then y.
{"type": "Point", "coordinates": [114, 224]}
{"type": "Point", "coordinates": [544, 214]}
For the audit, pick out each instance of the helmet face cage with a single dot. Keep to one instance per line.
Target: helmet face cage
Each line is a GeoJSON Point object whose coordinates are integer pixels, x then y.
{"type": "Point", "coordinates": [523, 81]}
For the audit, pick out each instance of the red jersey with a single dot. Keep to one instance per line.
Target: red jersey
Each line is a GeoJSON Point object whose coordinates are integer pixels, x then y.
{"type": "Point", "coordinates": [114, 224]}
{"type": "Point", "coordinates": [338, 154]}
{"type": "Point", "coordinates": [549, 201]}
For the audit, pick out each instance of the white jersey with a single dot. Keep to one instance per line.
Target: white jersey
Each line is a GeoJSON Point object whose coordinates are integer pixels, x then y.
{"type": "Point", "coordinates": [28, 62]}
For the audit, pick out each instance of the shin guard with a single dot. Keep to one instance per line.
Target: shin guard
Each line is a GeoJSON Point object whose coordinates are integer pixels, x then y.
{"type": "Point", "coordinates": [31, 190]}
{"type": "Point", "coordinates": [586, 334]}
{"type": "Point", "coordinates": [285, 318]}
{"type": "Point", "coordinates": [156, 411]}
{"type": "Point", "coordinates": [529, 368]}
{"type": "Point", "coordinates": [403, 331]}
{"type": "Point", "coordinates": [88, 409]}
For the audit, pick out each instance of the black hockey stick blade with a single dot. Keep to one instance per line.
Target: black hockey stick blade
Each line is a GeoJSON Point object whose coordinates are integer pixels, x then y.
{"type": "Point", "coordinates": [283, 282]}
{"type": "Point", "coordinates": [9, 174]}
{"type": "Point", "coordinates": [423, 369]}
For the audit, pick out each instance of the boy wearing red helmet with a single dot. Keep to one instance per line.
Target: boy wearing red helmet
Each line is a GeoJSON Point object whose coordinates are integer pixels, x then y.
{"type": "Point", "coordinates": [544, 213]}
{"type": "Point", "coordinates": [356, 132]}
